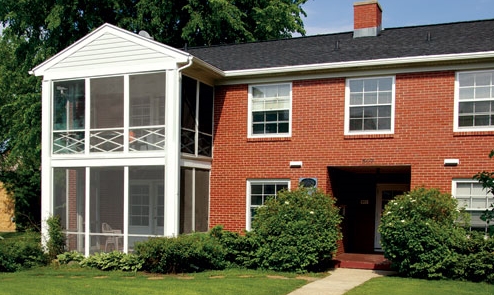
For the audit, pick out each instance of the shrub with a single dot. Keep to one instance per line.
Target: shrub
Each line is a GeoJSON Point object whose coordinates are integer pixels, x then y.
{"type": "Point", "coordinates": [21, 252]}
{"type": "Point", "coordinates": [56, 237]}
{"type": "Point", "coordinates": [296, 231]}
{"type": "Point", "coordinates": [185, 253]}
{"type": "Point", "coordinates": [239, 249]}
{"type": "Point", "coordinates": [420, 233]}
{"type": "Point", "coordinates": [113, 261]}
{"type": "Point", "coordinates": [67, 257]}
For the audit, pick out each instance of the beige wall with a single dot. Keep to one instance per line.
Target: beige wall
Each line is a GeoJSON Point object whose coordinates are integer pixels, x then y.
{"type": "Point", "coordinates": [6, 212]}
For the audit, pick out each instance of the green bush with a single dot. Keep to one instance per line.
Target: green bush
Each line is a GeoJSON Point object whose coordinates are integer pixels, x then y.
{"type": "Point", "coordinates": [474, 259]}
{"type": "Point", "coordinates": [113, 261]}
{"type": "Point", "coordinates": [21, 252]}
{"type": "Point", "coordinates": [239, 249]}
{"type": "Point", "coordinates": [420, 233]}
{"type": "Point", "coordinates": [67, 257]}
{"type": "Point", "coordinates": [185, 253]}
{"type": "Point", "coordinates": [56, 238]}
{"type": "Point", "coordinates": [296, 231]}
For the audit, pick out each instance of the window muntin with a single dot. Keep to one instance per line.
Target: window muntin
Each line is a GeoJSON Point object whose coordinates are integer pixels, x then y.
{"type": "Point", "coordinates": [270, 110]}
{"type": "Point", "coordinates": [475, 105]}
{"type": "Point", "coordinates": [258, 191]}
{"type": "Point", "coordinates": [370, 105]}
{"type": "Point", "coordinates": [474, 198]}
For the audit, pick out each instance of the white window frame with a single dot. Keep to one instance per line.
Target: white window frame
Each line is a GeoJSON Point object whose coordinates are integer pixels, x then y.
{"type": "Point", "coordinates": [249, 115]}
{"type": "Point", "coordinates": [456, 125]}
{"type": "Point", "coordinates": [469, 209]}
{"type": "Point", "coordinates": [259, 181]}
{"type": "Point", "coordinates": [347, 107]}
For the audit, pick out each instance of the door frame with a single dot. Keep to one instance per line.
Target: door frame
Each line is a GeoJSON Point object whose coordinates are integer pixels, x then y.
{"type": "Point", "coordinates": [380, 187]}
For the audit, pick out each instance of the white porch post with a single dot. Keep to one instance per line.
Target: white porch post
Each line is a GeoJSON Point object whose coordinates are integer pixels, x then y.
{"type": "Point", "coordinates": [46, 173]}
{"type": "Point", "coordinates": [172, 153]}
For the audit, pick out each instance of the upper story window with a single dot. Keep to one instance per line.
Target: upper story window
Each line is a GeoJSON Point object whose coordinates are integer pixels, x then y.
{"type": "Point", "coordinates": [270, 110]}
{"type": "Point", "coordinates": [474, 109]}
{"type": "Point", "coordinates": [258, 191]}
{"type": "Point", "coordinates": [474, 198]}
{"type": "Point", "coordinates": [370, 106]}
{"type": "Point", "coordinates": [197, 118]}
{"type": "Point", "coordinates": [104, 125]}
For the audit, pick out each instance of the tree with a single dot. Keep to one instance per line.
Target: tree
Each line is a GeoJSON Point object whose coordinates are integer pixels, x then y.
{"type": "Point", "coordinates": [38, 29]}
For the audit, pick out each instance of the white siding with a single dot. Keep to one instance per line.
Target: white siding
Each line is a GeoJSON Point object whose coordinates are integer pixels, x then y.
{"type": "Point", "coordinates": [111, 51]}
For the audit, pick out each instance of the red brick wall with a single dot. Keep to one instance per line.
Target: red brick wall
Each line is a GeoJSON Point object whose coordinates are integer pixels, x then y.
{"type": "Point", "coordinates": [367, 15]}
{"type": "Point", "coordinates": [423, 138]}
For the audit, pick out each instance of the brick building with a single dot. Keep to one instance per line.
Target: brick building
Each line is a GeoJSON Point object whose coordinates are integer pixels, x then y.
{"type": "Point", "coordinates": [363, 115]}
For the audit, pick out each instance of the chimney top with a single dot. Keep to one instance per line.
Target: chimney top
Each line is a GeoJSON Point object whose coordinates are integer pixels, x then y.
{"type": "Point", "coordinates": [367, 18]}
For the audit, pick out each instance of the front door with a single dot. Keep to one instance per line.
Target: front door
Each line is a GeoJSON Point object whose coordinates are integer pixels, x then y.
{"type": "Point", "coordinates": [385, 193]}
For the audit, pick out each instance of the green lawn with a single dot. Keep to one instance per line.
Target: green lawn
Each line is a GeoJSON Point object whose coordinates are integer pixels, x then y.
{"type": "Point", "coordinates": [405, 286]}
{"type": "Point", "coordinates": [75, 281]}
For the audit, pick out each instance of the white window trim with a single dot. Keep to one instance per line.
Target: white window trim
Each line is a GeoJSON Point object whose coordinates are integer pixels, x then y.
{"type": "Point", "coordinates": [248, 199]}
{"type": "Point", "coordinates": [249, 114]}
{"type": "Point", "coordinates": [456, 127]}
{"type": "Point", "coordinates": [347, 108]}
{"type": "Point", "coordinates": [465, 180]}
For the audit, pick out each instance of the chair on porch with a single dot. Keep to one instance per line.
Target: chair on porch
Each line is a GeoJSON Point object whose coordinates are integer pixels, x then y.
{"type": "Point", "coordinates": [112, 239]}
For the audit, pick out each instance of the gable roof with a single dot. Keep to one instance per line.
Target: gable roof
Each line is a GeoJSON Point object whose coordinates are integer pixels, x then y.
{"type": "Point", "coordinates": [420, 42]}
{"type": "Point", "coordinates": [110, 47]}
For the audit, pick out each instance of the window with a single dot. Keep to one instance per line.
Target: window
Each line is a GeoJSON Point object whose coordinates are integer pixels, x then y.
{"type": "Point", "coordinates": [270, 110]}
{"type": "Point", "coordinates": [258, 191]}
{"type": "Point", "coordinates": [474, 198]}
{"type": "Point", "coordinates": [370, 106]}
{"type": "Point", "coordinates": [475, 101]}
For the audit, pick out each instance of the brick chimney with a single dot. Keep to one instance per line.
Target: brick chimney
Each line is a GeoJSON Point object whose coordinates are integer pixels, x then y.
{"type": "Point", "coordinates": [367, 18]}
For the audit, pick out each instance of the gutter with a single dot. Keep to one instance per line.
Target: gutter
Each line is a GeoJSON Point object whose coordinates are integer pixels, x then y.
{"type": "Point", "coordinates": [363, 63]}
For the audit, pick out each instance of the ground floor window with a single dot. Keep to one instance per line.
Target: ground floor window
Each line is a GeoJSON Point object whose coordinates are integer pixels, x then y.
{"type": "Point", "coordinates": [260, 190]}
{"type": "Point", "coordinates": [474, 198]}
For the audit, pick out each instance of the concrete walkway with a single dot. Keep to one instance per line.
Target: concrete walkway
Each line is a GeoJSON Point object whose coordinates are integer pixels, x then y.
{"type": "Point", "coordinates": [339, 281]}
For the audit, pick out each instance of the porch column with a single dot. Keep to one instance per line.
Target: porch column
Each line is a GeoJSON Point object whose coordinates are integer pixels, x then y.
{"type": "Point", "coordinates": [46, 170]}
{"type": "Point", "coordinates": [172, 153]}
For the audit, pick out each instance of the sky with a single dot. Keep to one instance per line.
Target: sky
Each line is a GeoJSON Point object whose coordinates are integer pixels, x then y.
{"type": "Point", "coordinates": [331, 16]}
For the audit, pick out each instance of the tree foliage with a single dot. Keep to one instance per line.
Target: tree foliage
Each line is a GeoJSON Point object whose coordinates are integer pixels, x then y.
{"type": "Point", "coordinates": [38, 29]}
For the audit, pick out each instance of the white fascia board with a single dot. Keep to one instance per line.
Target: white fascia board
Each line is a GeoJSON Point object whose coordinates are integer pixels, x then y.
{"type": "Point", "coordinates": [179, 55]}
{"type": "Point", "coordinates": [360, 63]}
{"type": "Point", "coordinates": [208, 66]}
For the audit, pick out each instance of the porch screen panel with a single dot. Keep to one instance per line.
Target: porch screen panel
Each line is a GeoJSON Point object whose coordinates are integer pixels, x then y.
{"type": "Point", "coordinates": [186, 200]}
{"type": "Point", "coordinates": [106, 208]}
{"type": "Point", "coordinates": [205, 138]}
{"type": "Point", "coordinates": [69, 204]}
{"type": "Point", "coordinates": [68, 117]}
{"type": "Point", "coordinates": [147, 112]}
{"type": "Point", "coordinates": [107, 106]}
{"type": "Point", "coordinates": [189, 98]}
{"type": "Point", "coordinates": [202, 200]}
{"type": "Point", "coordinates": [146, 199]}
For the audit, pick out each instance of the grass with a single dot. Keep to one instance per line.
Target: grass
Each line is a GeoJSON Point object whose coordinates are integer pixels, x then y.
{"type": "Point", "coordinates": [406, 286]}
{"type": "Point", "coordinates": [75, 280]}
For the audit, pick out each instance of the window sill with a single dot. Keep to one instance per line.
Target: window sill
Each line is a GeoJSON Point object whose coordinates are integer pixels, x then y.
{"type": "Point", "coordinates": [268, 139]}
{"type": "Point", "coordinates": [368, 136]}
{"type": "Point", "coordinates": [473, 133]}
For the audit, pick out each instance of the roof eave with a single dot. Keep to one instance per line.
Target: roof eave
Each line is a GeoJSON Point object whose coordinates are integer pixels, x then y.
{"type": "Point", "coordinates": [360, 63]}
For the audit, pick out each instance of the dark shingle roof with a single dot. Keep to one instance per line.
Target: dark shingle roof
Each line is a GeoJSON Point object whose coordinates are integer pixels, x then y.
{"type": "Point", "coordinates": [451, 38]}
